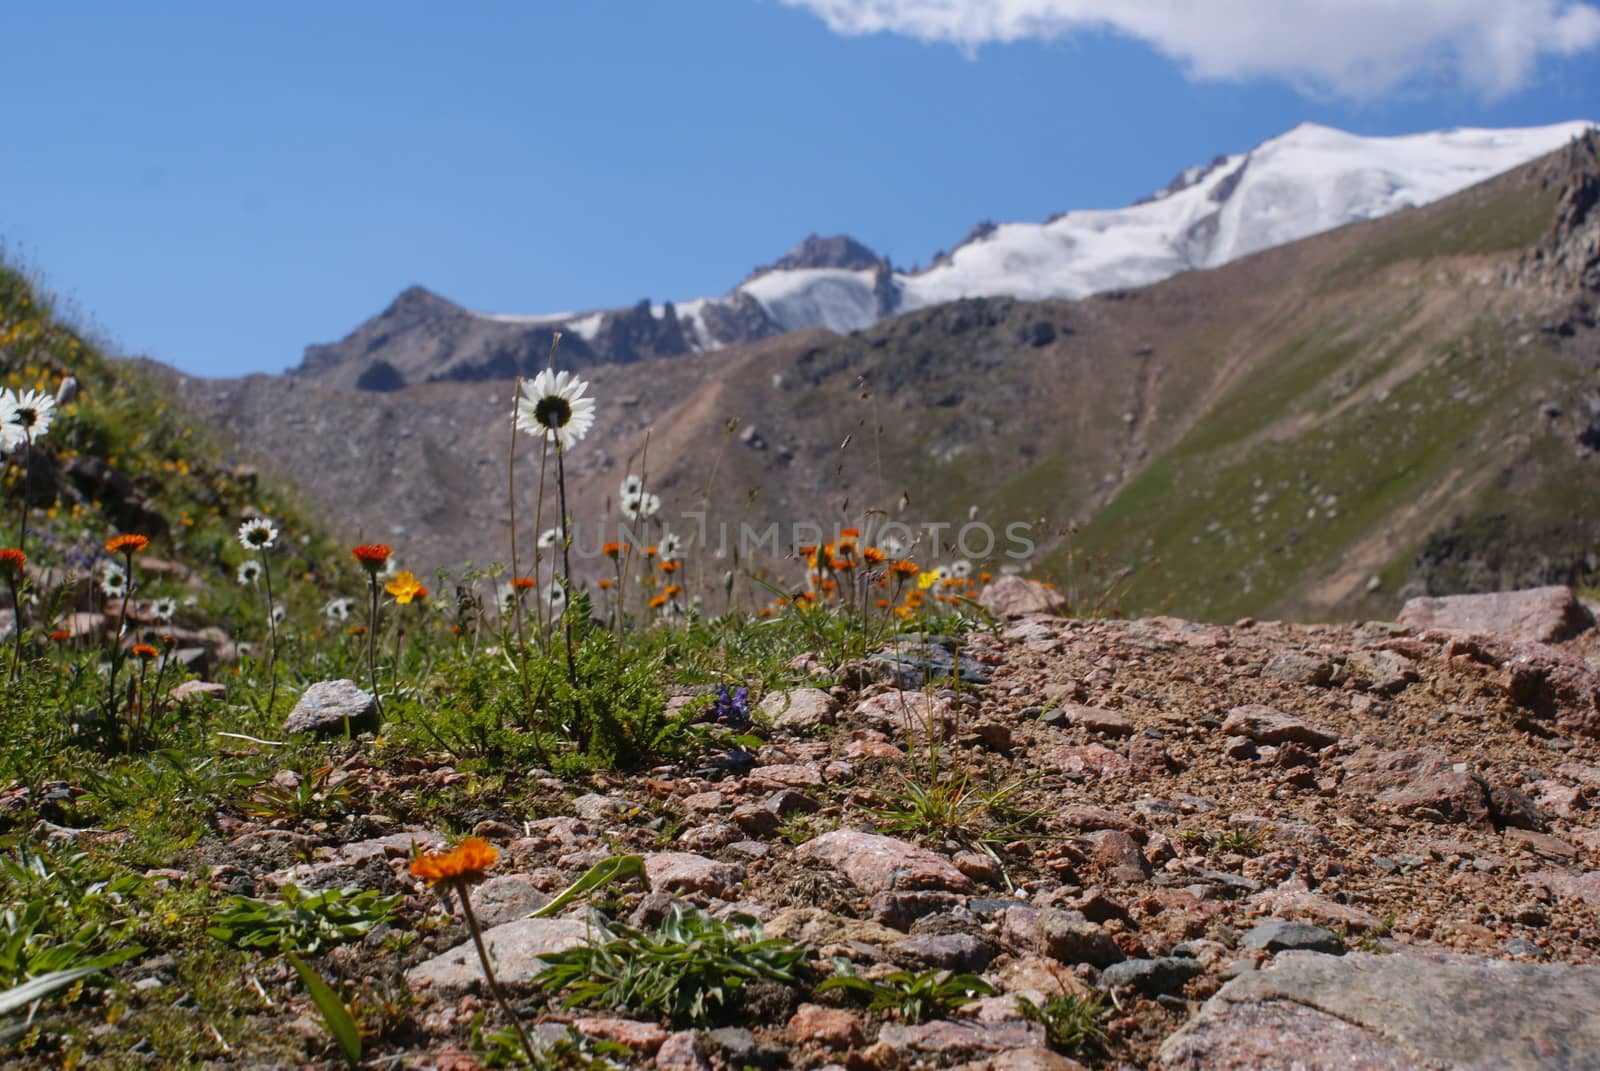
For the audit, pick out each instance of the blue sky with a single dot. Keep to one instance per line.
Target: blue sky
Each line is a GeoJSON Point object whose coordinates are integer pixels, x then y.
{"type": "Point", "coordinates": [217, 186]}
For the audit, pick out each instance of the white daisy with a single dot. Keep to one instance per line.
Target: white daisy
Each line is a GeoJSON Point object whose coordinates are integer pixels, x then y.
{"type": "Point", "coordinates": [258, 533]}
{"type": "Point", "coordinates": [31, 418]}
{"type": "Point", "coordinates": [249, 572]}
{"type": "Point", "coordinates": [555, 600]}
{"type": "Point", "coordinates": [670, 546]}
{"type": "Point", "coordinates": [641, 507]}
{"type": "Point", "coordinates": [10, 431]}
{"type": "Point", "coordinates": [338, 610]}
{"type": "Point", "coordinates": [113, 579]}
{"type": "Point", "coordinates": [505, 597]}
{"type": "Point", "coordinates": [550, 537]}
{"type": "Point", "coordinates": [961, 568]}
{"type": "Point", "coordinates": [632, 486]}
{"type": "Point", "coordinates": [278, 614]}
{"type": "Point", "coordinates": [164, 609]}
{"type": "Point", "coordinates": [553, 406]}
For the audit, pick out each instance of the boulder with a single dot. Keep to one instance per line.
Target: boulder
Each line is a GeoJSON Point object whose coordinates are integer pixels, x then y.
{"type": "Point", "coordinates": [798, 710]}
{"type": "Point", "coordinates": [1396, 1012]}
{"type": "Point", "coordinates": [330, 707]}
{"type": "Point", "coordinates": [1536, 615]}
{"type": "Point", "coordinates": [1014, 596]}
{"type": "Point", "coordinates": [515, 947]}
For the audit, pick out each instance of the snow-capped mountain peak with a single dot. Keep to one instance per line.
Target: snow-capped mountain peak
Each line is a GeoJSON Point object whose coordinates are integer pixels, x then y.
{"type": "Point", "coordinates": [1307, 180]}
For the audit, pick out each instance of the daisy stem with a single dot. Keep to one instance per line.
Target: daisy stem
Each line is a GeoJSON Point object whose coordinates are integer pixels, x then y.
{"type": "Point", "coordinates": [488, 971]}
{"type": "Point", "coordinates": [538, 522]}
{"type": "Point", "coordinates": [626, 562]}
{"type": "Point", "coordinates": [511, 500]}
{"type": "Point", "coordinates": [272, 634]}
{"type": "Point", "coordinates": [372, 640]}
{"type": "Point", "coordinates": [116, 648]}
{"type": "Point", "coordinates": [16, 629]}
{"type": "Point", "coordinates": [24, 459]}
{"type": "Point", "coordinates": [566, 563]}
{"type": "Point", "coordinates": [161, 670]}
{"type": "Point", "coordinates": [139, 708]}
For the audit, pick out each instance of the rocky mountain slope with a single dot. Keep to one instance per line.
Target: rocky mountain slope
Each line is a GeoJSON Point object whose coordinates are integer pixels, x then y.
{"type": "Point", "coordinates": [1301, 183]}
{"type": "Point", "coordinates": [1396, 407]}
{"type": "Point", "coordinates": [1257, 845]}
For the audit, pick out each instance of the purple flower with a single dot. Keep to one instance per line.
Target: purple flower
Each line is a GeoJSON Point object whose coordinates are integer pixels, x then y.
{"type": "Point", "coordinates": [732, 710]}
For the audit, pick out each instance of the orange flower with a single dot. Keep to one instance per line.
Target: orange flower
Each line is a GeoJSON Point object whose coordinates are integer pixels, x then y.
{"type": "Point", "coordinates": [671, 566]}
{"type": "Point", "coordinates": [841, 565]}
{"type": "Point", "coordinates": [828, 585]}
{"type": "Point", "coordinates": [672, 591]}
{"type": "Point", "coordinates": [613, 549]}
{"type": "Point", "coordinates": [523, 583]}
{"type": "Point", "coordinates": [463, 864]}
{"type": "Point", "coordinates": [126, 544]}
{"type": "Point", "coordinates": [850, 534]}
{"type": "Point", "coordinates": [372, 556]}
{"type": "Point", "coordinates": [882, 604]}
{"type": "Point", "coordinates": [406, 587]}
{"type": "Point", "coordinates": [658, 602]}
{"type": "Point", "coordinates": [651, 551]}
{"type": "Point", "coordinates": [984, 578]}
{"type": "Point", "coordinates": [808, 551]}
{"type": "Point", "coordinates": [11, 561]}
{"type": "Point", "coordinates": [904, 568]}
{"type": "Point", "coordinates": [606, 583]}
{"type": "Point", "coordinates": [357, 630]}
{"type": "Point", "coordinates": [61, 635]}
{"type": "Point", "coordinates": [143, 650]}
{"type": "Point", "coordinates": [872, 555]}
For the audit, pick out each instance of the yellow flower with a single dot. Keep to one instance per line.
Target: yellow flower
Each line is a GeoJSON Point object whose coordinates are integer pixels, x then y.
{"type": "Point", "coordinates": [405, 587]}
{"type": "Point", "coordinates": [928, 579]}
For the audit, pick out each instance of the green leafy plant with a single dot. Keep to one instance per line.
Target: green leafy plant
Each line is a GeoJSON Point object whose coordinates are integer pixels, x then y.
{"type": "Point", "coordinates": [1071, 1023]}
{"type": "Point", "coordinates": [616, 868]}
{"type": "Point", "coordinates": [67, 912]}
{"type": "Point", "coordinates": [574, 1052]}
{"type": "Point", "coordinates": [691, 969]}
{"type": "Point", "coordinates": [301, 921]}
{"type": "Point", "coordinates": [340, 1023]}
{"type": "Point", "coordinates": [1238, 841]}
{"type": "Point", "coordinates": [915, 998]}
{"type": "Point", "coordinates": [316, 794]}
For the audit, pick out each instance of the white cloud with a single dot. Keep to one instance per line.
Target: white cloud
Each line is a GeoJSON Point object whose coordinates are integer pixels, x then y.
{"type": "Point", "coordinates": [1355, 48]}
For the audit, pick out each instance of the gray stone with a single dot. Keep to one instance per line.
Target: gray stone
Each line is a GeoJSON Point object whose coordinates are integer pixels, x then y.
{"type": "Point", "coordinates": [685, 872]}
{"type": "Point", "coordinates": [1097, 720]}
{"type": "Point", "coordinates": [1277, 935]}
{"type": "Point", "coordinates": [1399, 1012]}
{"type": "Point", "coordinates": [1293, 667]}
{"type": "Point", "coordinates": [1070, 938]}
{"type": "Point", "coordinates": [1536, 615]}
{"type": "Point", "coordinates": [515, 948]}
{"type": "Point", "coordinates": [506, 898]}
{"type": "Point", "coordinates": [1265, 725]}
{"type": "Point", "coordinates": [958, 1038]}
{"type": "Point", "coordinates": [1152, 977]}
{"type": "Point", "coordinates": [952, 951]}
{"type": "Point", "coordinates": [798, 710]}
{"type": "Point", "coordinates": [328, 707]}
{"type": "Point", "coordinates": [599, 809]}
{"type": "Point", "coordinates": [914, 664]}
